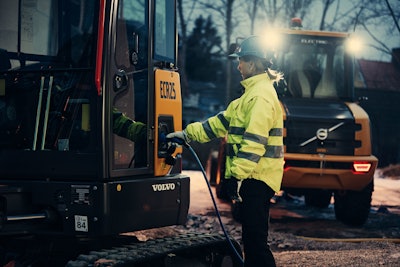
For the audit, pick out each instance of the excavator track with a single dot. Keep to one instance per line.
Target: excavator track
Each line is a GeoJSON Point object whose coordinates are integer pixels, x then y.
{"type": "Point", "coordinates": [193, 249]}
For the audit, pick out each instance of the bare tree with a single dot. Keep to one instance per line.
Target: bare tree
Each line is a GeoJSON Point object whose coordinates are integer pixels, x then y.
{"type": "Point", "coordinates": [327, 4]}
{"type": "Point", "coordinates": [270, 10]}
{"type": "Point", "coordinates": [393, 15]}
{"type": "Point", "coordinates": [297, 8]}
{"type": "Point", "coordinates": [240, 18]}
{"type": "Point", "coordinates": [225, 9]}
{"type": "Point", "coordinates": [185, 11]}
{"type": "Point", "coordinates": [252, 7]}
{"type": "Point", "coordinates": [372, 17]}
{"type": "Point", "coordinates": [377, 19]}
{"type": "Point", "coordinates": [355, 16]}
{"type": "Point", "coordinates": [279, 13]}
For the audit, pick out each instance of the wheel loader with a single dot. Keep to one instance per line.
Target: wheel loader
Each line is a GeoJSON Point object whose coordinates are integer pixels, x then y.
{"type": "Point", "coordinates": [327, 134]}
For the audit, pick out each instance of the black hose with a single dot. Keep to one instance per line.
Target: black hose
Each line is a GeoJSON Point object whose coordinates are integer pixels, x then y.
{"type": "Point", "coordinates": [214, 203]}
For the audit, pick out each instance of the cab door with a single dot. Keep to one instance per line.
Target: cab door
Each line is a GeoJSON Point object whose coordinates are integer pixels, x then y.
{"type": "Point", "coordinates": [143, 92]}
{"type": "Point", "coordinates": [127, 93]}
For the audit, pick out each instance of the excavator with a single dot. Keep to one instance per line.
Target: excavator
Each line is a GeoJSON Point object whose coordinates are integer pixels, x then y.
{"type": "Point", "coordinates": [88, 92]}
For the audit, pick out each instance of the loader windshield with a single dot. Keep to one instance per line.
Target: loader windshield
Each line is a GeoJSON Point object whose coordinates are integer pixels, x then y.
{"type": "Point", "coordinates": [47, 100]}
{"type": "Point", "coordinates": [315, 67]}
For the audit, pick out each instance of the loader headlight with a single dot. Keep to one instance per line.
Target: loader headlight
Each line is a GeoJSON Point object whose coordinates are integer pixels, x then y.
{"type": "Point", "coordinates": [354, 45]}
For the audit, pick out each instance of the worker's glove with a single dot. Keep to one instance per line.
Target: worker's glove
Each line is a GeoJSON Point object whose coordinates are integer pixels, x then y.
{"type": "Point", "coordinates": [236, 210]}
{"type": "Point", "coordinates": [231, 188]}
{"type": "Point", "coordinates": [179, 137]}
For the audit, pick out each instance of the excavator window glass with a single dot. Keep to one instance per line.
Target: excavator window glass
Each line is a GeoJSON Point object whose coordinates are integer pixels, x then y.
{"type": "Point", "coordinates": [48, 117]}
{"type": "Point", "coordinates": [129, 105]}
{"type": "Point", "coordinates": [164, 31]}
{"type": "Point", "coordinates": [314, 68]}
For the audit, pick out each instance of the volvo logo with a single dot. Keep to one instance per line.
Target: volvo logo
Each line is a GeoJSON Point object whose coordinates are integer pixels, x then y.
{"type": "Point", "coordinates": [322, 134]}
{"type": "Point", "coordinates": [163, 187]}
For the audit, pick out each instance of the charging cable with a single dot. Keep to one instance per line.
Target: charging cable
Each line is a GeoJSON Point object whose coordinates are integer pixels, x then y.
{"type": "Point", "coordinates": [185, 144]}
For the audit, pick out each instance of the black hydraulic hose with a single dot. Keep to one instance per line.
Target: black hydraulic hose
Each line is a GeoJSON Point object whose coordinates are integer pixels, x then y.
{"type": "Point", "coordinates": [214, 202]}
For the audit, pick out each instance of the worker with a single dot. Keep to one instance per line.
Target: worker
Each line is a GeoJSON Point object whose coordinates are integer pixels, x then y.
{"type": "Point", "coordinates": [253, 124]}
{"type": "Point", "coordinates": [126, 127]}
{"type": "Point", "coordinates": [135, 131]}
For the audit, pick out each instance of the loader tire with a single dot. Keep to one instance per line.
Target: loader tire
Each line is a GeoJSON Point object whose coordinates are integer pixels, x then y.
{"type": "Point", "coordinates": [318, 198]}
{"type": "Point", "coordinates": [353, 207]}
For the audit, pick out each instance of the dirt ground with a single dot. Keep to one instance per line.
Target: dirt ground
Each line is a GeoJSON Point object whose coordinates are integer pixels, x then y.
{"type": "Point", "coordinates": [303, 236]}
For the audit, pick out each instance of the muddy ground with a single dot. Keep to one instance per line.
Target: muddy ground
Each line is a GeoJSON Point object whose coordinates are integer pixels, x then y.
{"type": "Point", "coordinates": [303, 236]}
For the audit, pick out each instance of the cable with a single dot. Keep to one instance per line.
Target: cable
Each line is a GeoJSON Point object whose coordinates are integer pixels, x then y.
{"type": "Point", "coordinates": [214, 202]}
{"type": "Point", "coordinates": [352, 240]}
{"type": "Point", "coordinates": [181, 142]}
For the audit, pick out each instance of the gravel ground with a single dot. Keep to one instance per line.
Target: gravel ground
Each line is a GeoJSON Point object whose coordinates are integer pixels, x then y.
{"type": "Point", "coordinates": [293, 250]}
{"type": "Point", "coordinates": [301, 236]}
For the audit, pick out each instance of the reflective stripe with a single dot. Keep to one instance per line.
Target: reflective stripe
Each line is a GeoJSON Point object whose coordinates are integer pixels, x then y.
{"type": "Point", "coordinates": [230, 151]}
{"type": "Point", "coordinates": [241, 131]}
{"type": "Point", "coordinates": [255, 138]}
{"type": "Point", "coordinates": [270, 151]}
{"type": "Point", "coordinates": [236, 130]}
{"type": "Point", "coordinates": [273, 152]}
{"type": "Point", "coordinates": [222, 119]}
{"type": "Point", "coordinates": [124, 129]}
{"type": "Point", "coordinates": [207, 128]}
{"type": "Point", "coordinates": [276, 132]}
{"type": "Point", "coordinates": [249, 156]}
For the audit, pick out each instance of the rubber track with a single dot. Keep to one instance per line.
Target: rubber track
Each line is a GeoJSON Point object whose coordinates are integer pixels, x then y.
{"type": "Point", "coordinates": [140, 252]}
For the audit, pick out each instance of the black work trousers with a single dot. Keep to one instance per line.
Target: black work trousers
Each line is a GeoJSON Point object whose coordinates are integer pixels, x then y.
{"type": "Point", "coordinates": [254, 213]}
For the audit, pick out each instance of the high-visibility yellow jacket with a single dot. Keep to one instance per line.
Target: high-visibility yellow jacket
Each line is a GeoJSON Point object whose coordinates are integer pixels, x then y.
{"type": "Point", "coordinates": [127, 128]}
{"type": "Point", "coordinates": [253, 124]}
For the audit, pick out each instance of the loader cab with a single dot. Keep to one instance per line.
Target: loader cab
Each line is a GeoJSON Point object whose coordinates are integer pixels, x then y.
{"type": "Point", "coordinates": [316, 66]}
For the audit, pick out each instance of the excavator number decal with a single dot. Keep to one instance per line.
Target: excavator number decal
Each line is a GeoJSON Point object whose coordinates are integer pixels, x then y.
{"type": "Point", "coordinates": [167, 90]}
{"type": "Point", "coordinates": [81, 223]}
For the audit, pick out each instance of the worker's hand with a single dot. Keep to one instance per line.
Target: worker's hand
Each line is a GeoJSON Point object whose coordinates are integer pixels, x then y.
{"type": "Point", "coordinates": [231, 187]}
{"type": "Point", "coordinates": [232, 190]}
{"type": "Point", "coordinates": [236, 210]}
{"type": "Point", "coordinates": [180, 135]}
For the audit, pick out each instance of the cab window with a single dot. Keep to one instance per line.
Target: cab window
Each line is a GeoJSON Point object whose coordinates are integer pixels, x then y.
{"type": "Point", "coordinates": [129, 104]}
